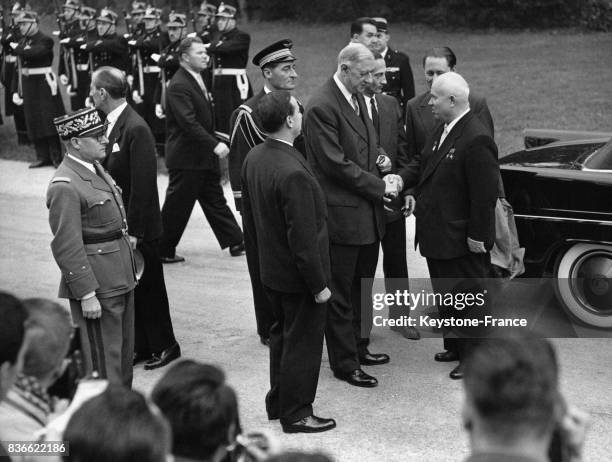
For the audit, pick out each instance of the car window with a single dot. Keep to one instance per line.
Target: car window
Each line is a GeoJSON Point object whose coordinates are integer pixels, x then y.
{"type": "Point", "coordinates": [601, 159]}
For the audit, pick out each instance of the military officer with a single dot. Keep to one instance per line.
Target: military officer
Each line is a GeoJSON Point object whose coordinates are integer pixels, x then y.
{"type": "Point", "coordinates": [92, 249]}
{"type": "Point", "coordinates": [37, 89]}
{"type": "Point", "coordinates": [69, 27]}
{"type": "Point", "coordinates": [230, 53]}
{"type": "Point", "coordinates": [400, 81]}
{"type": "Point", "coordinates": [277, 64]}
{"type": "Point", "coordinates": [108, 48]}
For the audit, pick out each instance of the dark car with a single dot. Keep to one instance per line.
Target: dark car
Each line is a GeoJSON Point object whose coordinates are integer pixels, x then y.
{"type": "Point", "coordinates": [561, 194]}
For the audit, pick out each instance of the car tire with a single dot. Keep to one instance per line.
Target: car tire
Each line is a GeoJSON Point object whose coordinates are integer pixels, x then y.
{"type": "Point", "coordinates": [584, 283]}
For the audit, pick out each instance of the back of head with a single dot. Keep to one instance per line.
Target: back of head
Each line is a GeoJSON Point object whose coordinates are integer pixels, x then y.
{"type": "Point", "coordinates": [12, 330]}
{"type": "Point", "coordinates": [113, 80]}
{"type": "Point", "coordinates": [273, 110]}
{"type": "Point", "coordinates": [453, 84]}
{"type": "Point", "coordinates": [511, 384]}
{"type": "Point", "coordinates": [117, 426]}
{"type": "Point", "coordinates": [49, 330]}
{"type": "Point", "coordinates": [201, 408]}
{"type": "Point", "coordinates": [353, 53]}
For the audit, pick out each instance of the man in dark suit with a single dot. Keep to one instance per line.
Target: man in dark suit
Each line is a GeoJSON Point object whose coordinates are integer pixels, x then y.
{"type": "Point", "coordinates": [341, 145]}
{"type": "Point", "coordinates": [285, 207]}
{"type": "Point", "coordinates": [277, 64]}
{"type": "Point", "coordinates": [455, 204]}
{"type": "Point", "coordinates": [192, 154]}
{"type": "Point", "coordinates": [388, 120]}
{"type": "Point", "coordinates": [130, 160]}
{"type": "Point", "coordinates": [420, 121]}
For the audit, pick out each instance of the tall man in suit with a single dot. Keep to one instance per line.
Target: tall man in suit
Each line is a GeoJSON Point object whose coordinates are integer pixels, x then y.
{"type": "Point", "coordinates": [341, 145]}
{"type": "Point", "coordinates": [285, 207]}
{"type": "Point", "coordinates": [130, 159]}
{"type": "Point", "coordinates": [277, 64]}
{"type": "Point", "coordinates": [388, 120]}
{"type": "Point", "coordinates": [192, 154]}
{"type": "Point", "coordinates": [420, 121]}
{"type": "Point", "coordinates": [455, 203]}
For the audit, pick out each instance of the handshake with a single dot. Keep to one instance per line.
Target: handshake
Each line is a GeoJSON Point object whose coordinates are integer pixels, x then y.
{"type": "Point", "coordinates": [393, 184]}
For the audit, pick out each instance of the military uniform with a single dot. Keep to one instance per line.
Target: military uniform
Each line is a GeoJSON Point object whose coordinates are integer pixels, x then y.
{"type": "Point", "coordinates": [7, 73]}
{"type": "Point", "coordinates": [91, 247]}
{"type": "Point", "coordinates": [110, 50]}
{"type": "Point", "coordinates": [400, 81]}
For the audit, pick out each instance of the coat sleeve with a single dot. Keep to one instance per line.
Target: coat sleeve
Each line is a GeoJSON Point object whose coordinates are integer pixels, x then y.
{"type": "Point", "coordinates": [300, 213]}
{"type": "Point", "coordinates": [322, 138]}
{"type": "Point", "coordinates": [38, 49]}
{"type": "Point", "coordinates": [481, 110]}
{"type": "Point", "coordinates": [237, 43]}
{"type": "Point", "coordinates": [67, 245]}
{"type": "Point", "coordinates": [407, 166]}
{"type": "Point", "coordinates": [248, 221]}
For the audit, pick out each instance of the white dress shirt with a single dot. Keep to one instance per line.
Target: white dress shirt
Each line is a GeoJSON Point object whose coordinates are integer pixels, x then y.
{"type": "Point", "coordinates": [368, 100]}
{"type": "Point", "coordinates": [347, 94]}
{"type": "Point", "coordinates": [449, 126]}
{"type": "Point", "coordinates": [87, 165]}
{"type": "Point", "coordinates": [198, 77]}
{"type": "Point", "coordinates": [112, 117]}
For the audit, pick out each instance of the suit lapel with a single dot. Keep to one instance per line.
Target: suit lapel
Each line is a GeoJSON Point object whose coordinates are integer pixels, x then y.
{"type": "Point", "coordinates": [348, 112]}
{"type": "Point", "coordinates": [115, 134]}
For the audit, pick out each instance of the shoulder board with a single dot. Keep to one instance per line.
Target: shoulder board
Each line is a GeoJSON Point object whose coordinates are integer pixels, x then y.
{"type": "Point", "coordinates": [61, 179]}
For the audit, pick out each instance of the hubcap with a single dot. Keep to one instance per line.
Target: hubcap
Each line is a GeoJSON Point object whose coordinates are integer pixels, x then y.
{"type": "Point", "coordinates": [591, 282]}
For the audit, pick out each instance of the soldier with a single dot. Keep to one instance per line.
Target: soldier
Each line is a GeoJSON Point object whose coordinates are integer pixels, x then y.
{"type": "Point", "coordinates": [69, 27]}
{"type": "Point", "coordinates": [87, 33]}
{"type": "Point", "coordinates": [400, 81]}
{"type": "Point", "coordinates": [135, 18]}
{"type": "Point", "coordinates": [277, 64]}
{"type": "Point", "coordinates": [147, 48]}
{"type": "Point", "coordinates": [91, 246]}
{"type": "Point", "coordinates": [230, 84]}
{"type": "Point", "coordinates": [37, 89]}
{"type": "Point", "coordinates": [205, 26]}
{"type": "Point", "coordinates": [108, 49]}
{"type": "Point", "coordinates": [11, 34]}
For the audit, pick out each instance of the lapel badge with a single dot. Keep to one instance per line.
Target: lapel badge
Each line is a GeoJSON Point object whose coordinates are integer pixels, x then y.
{"type": "Point", "coordinates": [451, 153]}
{"type": "Point", "coordinates": [435, 146]}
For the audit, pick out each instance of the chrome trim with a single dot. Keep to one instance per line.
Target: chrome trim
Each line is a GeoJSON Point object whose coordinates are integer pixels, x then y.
{"type": "Point", "coordinates": [579, 220]}
{"type": "Point", "coordinates": [596, 170]}
{"type": "Point", "coordinates": [579, 211]}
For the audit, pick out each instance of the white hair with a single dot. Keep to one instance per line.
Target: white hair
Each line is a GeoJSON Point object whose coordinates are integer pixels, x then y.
{"type": "Point", "coordinates": [353, 53]}
{"type": "Point", "coordinates": [451, 83]}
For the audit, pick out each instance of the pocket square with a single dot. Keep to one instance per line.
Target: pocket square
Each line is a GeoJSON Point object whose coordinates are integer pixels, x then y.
{"type": "Point", "coordinates": [116, 147]}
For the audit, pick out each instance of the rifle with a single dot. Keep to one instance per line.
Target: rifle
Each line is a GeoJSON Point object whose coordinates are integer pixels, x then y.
{"type": "Point", "coordinates": [67, 56]}
{"type": "Point", "coordinates": [193, 19]}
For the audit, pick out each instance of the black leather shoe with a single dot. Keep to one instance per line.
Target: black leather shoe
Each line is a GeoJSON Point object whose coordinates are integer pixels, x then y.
{"type": "Point", "coordinates": [457, 373]}
{"type": "Point", "coordinates": [265, 341]}
{"type": "Point", "coordinates": [163, 358]}
{"type": "Point", "coordinates": [411, 333]}
{"type": "Point", "coordinates": [40, 163]}
{"type": "Point", "coordinates": [373, 359]}
{"type": "Point", "coordinates": [310, 424]}
{"type": "Point", "coordinates": [357, 378]}
{"type": "Point", "coordinates": [237, 250]}
{"type": "Point", "coordinates": [139, 358]}
{"type": "Point", "coordinates": [446, 357]}
{"type": "Point", "coordinates": [174, 259]}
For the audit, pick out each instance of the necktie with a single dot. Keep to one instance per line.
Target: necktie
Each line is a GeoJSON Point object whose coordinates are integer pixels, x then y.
{"type": "Point", "coordinates": [375, 116]}
{"type": "Point", "coordinates": [443, 136]}
{"type": "Point", "coordinates": [355, 103]}
{"type": "Point", "coordinates": [202, 86]}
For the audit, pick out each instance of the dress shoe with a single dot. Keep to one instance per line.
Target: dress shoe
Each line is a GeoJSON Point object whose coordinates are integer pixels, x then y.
{"type": "Point", "coordinates": [163, 358]}
{"type": "Point", "coordinates": [265, 341]}
{"type": "Point", "coordinates": [40, 163]}
{"type": "Point", "coordinates": [446, 357]}
{"type": "Point", "coordinates": [237, 250]}
{"type": "Point", "coordinates": [357, 378]}
{"type": "Point", "coordinates": [173, 259]}
{"type": "Point", "coordinates": [456, 373]}
{"type": "Point", "coordinates": [411, 333]}
{"type": "Point", "coordinates": [310, 424]}
{"type": "Point", "coordinates": [140, 357]}
{"type": "Point", "coordinates": [373, 359]}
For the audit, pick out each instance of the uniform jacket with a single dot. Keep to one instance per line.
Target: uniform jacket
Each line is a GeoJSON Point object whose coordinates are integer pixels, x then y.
{"type": "Point", "coordinates": [169, 63]}
{"type": "Point", "coordinates": [84, 207]}
{"type": "Point", "coordinates": [190, 125]}
{"type": "Point", "coordinates": [285, 207]}
{"type": "Point", "coordinates": [110, 50]}
{"type": "Point", "coordinates": [400, 81]}
{"type": "Point", "coordinates": [420, 121]}
{"type": "Point", "coordinates": [342, 149]}
{"type": "Point", "coordinates": [149, 43]}
{"type": "Point", "coordinates": [131, 161]}
{"type": "Point", "coordinates": [457, 190]}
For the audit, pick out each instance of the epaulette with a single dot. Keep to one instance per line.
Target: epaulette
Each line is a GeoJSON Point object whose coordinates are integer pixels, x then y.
{"type": "Point", "coordinates": [63, 179]}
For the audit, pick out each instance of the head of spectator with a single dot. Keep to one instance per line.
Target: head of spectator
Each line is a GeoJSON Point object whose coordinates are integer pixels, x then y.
{"type": "Point", "coordinates": [108, 88]}
{"type": "Point", "coordinates": [295, 456]}
{"type": "Point", "coordinates": [226, 18]}
{"type": "Point", "coordinates": [363, 30]}
{"type": "Point", "coordinates": [512, 401]}
{"type": "Point", "coordinates": [280, 115]}
{"type": "Point", "coordinates": [382, 26]}
{"type": "Point", "coordinates": [449, 97]}
{"type": "Point", "coordinates": [201, 408]}
{"type": "Point", "coordinates": [83, 135]}
{"type": "Point", "coordinates": [438, 61]}
{"type": "Point", "coordinates": [28, 23]}
{"type": "Point", "coordinates": [193, 54]}
{"type": "Point", "coordinates": [177, 27]}
{"type": "Point", "coordinates": [12, 333]}
{"type": "Point", "coordinates": [118, 425]}
{"type": "Point", "coordinates": [355, 67]}
{"type": "Point", "coordinates": [277, 64]}
{"type": "Point", "coordinates": [379, 80]}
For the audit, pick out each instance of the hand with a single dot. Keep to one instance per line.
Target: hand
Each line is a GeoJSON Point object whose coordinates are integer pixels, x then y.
{"type": "Point", "coordinates": [63, 79]}
{"type": "Point", "coordinates": [159, 112]}
{"type": "Point", "coordinates": [574, 426]}
{"type": "Point", "coordinates": [323, 296]}
{"type": "Point", "coordinates": [133, 241]}
{"type": "Point", "coordinates": [17, 100]}
{"type": "Point", "coordinates": [221, 150]}
{"type": "Point", "coordinates": [383, 163]}
{"type": "Point", "coordinates": [130, 80]}
{"type": "Point", "coordinates": [409, 205]}
{"type": "Point", "coordinates": [391, 185]}
{"type": "Point", "coordinates": [91, 308]}
{"type": "Point", "coordinates": [476, 246]}
{"type": "Point", "coordinates": [136, 97]}
{"type": "Point", "coordinates": [64, 41]}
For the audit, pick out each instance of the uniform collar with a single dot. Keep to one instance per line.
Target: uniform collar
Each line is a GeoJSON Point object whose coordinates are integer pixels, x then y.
{"type": "Point", "coordinates": [87, 165]}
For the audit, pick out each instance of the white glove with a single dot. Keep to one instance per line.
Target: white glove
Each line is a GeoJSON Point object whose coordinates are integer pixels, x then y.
{"type": "Point", "coordinates": [91, 308]}
{"type": "Point", "coordinates": [63, 79]}
{"type": "Point", "coordinates": [17, 100]}
{"type": "Point", "coordinates": [159, 112]}
{"type": "Point", "coordinates": [221, 150]}
{"type": "Point", "coordinates": [89, 102]}
{"type": "Point", "coordinates": [65, 40]}
{"type": "Point", "coordinates": [130, 80]}
{"type": "Point", "coordinates": [323, 296]}
{"type": "Point", "coordinates": [136, 97]}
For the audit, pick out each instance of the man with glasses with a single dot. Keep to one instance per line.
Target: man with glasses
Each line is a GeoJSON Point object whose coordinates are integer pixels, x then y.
{"type": "Point", "coordinates": [92, 248]}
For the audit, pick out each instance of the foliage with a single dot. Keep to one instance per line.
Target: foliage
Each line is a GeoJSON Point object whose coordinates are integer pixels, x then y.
{"type": "Point", "coordinates": [597, 15]}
